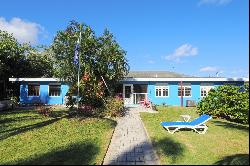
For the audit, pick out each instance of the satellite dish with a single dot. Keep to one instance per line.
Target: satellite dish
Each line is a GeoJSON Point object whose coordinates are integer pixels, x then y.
{"type": "Point", "coordinates": [217, 73]}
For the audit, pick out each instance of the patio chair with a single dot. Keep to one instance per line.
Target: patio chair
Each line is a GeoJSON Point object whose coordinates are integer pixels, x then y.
{"type": "Point", "coordinates": [145, 103]}
{"type": "Point", "coordinates": [198, 125]}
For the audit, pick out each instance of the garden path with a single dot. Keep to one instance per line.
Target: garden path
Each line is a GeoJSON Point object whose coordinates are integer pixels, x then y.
{"type": "Point", "coordinates": [130, 144]}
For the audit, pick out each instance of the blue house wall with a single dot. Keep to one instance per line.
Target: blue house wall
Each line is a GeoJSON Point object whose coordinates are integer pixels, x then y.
{"type": "Point", "coordinates": [44, 94]}
{"type": "Point", "coordinates": [173, 98]}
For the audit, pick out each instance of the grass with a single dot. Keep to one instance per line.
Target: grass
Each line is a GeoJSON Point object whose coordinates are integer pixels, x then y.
{"type": "Point", "coordinates": [224, 143]}
{"type": "Point", "coordinates": [27, 137]}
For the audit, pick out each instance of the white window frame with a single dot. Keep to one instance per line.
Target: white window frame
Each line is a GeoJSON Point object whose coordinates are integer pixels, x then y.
{"type": "Point", "coordinates": [207, 87]}
{"type": "Point", "coordinates": [161, 87]}
{"type": "Point", "coordinates": [33, 84]}
{"type": "Point", "coordinates": [184, 86]}
{"type": "Point", "coordinates": [58, 84]}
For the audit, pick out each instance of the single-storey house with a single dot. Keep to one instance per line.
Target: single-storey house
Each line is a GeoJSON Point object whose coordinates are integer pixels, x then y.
{"type": "Point", "coordinates": [159, 87]}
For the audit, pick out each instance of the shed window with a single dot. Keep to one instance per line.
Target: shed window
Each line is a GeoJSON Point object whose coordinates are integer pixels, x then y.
{"type": "Point", "coordinates": [33, 89]}
{"type": "Point", "coordinates": [205, 88]}
{"type": "Point", "coordinates": [186, 90]}
{"type": "Point", "coordinates": [54, 90]}
{"type": "Point", "coordinates": [161, 90]}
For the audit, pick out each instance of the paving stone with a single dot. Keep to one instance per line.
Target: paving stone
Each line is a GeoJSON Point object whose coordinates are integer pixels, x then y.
{"type": "Point", "coordinates": [126, 163]}
{"type": "Point", "coordinates": [139, 158]}
{"type": "Point", "coordinates": [139, 163]}
{"type": "Point", "coordinates": [122, 158]}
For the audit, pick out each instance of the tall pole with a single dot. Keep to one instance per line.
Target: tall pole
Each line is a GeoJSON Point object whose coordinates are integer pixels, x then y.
{"type": "Point", "coordinates": [181, 95]}
{"type": "Point", "coordinates": [78, 74]}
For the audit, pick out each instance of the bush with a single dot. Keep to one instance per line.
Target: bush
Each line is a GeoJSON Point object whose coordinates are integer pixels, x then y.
{"type": "Point", "coordinates": [89, 111]}
{"type": "Point", "coordinates": [70, 101]}
{"type": "Point", "coordinates": [228, 101]}
{"type": "Point", "coordinates": [15, 101]}
{"type": "Point", "coordinates": [114, 107]}
{"type": "Point", "coordinates": [111, 107]}
{"type": "Point", "coordinates": [44, 110]}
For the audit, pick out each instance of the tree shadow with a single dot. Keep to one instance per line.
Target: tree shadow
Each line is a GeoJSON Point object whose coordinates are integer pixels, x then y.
{"type": "Point", "coordinates": [82, 153]}
{"type": "Point", "coordinates": [5, 121]}
{"type": "Point", "coordinates": [15, 131]}
{"type": "Point", "coordinates": [237, 159]}
{"type": "Point", "coordinates": [143, 153]}
{"type": "Point", "coordinates": [17, 111]}
{"type": "Point", "coordinates": [170, 148]}
{"type": "Point", "coordinates": [231, 125]}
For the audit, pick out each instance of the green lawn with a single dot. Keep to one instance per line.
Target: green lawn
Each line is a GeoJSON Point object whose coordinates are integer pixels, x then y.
{"type": "Point", "coordinates": [224, 142]}
{"type": "Point", "coordinates": [27, 137]}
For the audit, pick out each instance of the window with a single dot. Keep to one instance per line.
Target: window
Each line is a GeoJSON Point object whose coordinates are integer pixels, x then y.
{"type": "Point", "coordinates": [140, 88]}
{"type": "Point", "coordinates": [128, 91]}
{"type": "Point", "coordinates": [54, 90]}
{"type": "Point", "coordinates": [186, 90]}
{"type": "Point", "coordinates": [205, 88]}
{"type": "Point", "coordinates": [161, 90]}
{"type": "Point", "coordinates": [230, 83]}
{"type": "Point", "coordinates": [33, 89]}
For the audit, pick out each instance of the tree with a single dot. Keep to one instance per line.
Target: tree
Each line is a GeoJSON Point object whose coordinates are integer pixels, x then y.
{"type": "Point", "coordinates": [20, 60]}
{"type": "Point", "coordinates": [99, 57]}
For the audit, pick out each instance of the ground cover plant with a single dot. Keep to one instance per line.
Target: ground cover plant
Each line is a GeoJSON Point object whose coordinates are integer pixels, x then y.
{"type": "Point", "coordinates": [28, 137]}
{"type": "Point", "coordinates": [225, 142]}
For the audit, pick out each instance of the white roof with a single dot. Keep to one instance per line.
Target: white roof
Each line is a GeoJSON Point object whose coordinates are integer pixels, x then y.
{"type": "Point", "coordinates": [208, 79]}
{"type": "Point", "coordinates": [34, 79]}
{"type": "Point", "coordinates": [187, 79]}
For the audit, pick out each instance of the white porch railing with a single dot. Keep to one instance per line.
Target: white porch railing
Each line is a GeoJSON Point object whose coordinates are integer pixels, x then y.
{"type": "Point", "coordinates": [137, 97]}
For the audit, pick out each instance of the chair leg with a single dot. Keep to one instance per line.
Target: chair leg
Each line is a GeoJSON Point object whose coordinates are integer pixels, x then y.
{"type": "Point", "coordinates": [172, 131]}
{"type": "Point", "coordinates": [204, 127]}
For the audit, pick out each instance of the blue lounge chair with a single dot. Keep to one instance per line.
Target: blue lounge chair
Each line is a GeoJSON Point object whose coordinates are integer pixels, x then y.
{"type": "Point", "coordinates": [198, 125]}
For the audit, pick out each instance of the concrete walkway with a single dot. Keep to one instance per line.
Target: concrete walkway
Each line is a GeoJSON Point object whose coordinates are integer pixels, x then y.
{"type": "Point", "coordinates": [130, 144]}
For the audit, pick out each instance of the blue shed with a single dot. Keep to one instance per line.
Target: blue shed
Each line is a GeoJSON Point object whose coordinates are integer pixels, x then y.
{"type": "Point", "coordinates": [43, 90]}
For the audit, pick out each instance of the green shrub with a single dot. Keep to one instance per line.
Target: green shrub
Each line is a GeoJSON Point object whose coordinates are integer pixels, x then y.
{"type": "Point", "coordinates": [70, 101]}
{"type": "Point", "coordinates": [114, 107]}
{"type": "Point", "coordinates": [44, 110]}
{"type": "Point", "coordinates": [227, 101]}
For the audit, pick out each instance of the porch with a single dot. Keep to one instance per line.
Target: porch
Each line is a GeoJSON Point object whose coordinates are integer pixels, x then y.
{"type": "Point", "coordinates": [134, 94]}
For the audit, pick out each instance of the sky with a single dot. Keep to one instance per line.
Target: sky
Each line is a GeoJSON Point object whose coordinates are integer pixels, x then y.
{"type": "Point", "coordinates": [192, 37]}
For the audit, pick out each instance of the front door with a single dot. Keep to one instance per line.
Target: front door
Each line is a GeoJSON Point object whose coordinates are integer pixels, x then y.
{"type": "Point", "coordinates": [128, 93]}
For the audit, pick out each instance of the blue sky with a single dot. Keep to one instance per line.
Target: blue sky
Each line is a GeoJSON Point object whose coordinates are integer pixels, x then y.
{"type": "Point", "coordinates": [194, 37]}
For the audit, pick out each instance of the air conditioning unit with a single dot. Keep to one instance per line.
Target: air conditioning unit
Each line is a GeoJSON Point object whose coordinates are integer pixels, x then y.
{"type": "Point", "coordinates": [190, 103]}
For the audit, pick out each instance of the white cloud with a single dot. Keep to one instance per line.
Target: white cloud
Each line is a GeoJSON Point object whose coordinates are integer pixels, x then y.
{"type": "Point", "coordinates": [23, 31]}
{"type": "Point", "coordinates": [184, 50]}
{"type": "Point", "coordinates": [214, 2]}
{"type": "Point", "coordinates": [208, 69]}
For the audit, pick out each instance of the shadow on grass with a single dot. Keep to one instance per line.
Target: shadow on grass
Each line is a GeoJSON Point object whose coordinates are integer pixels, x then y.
{"type": "Point", "coordinates": [5, 121]}
{"type": "Point", "coordinates": [55, 115]}
{"type": "Point", "coordinates": [231, 125]}
{"type": "Point", "coordinates": [170, 148]}
{"type": "Point", "coordinates": [83, 153]}
{"type": "Point", "coordinates": [14, 131]}
{"type": "Point", "coordinates": [15, 111]}
{"type": "Point", "coordinates": [238, 159]}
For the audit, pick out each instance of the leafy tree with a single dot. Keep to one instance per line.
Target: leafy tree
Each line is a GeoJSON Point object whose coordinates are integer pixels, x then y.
{"type": "Point", "coordinates": [99, 57]}
{"type": "Point", "coordinates": [228, 101]}
{"type": "Point", "coordinates": [20, 60]}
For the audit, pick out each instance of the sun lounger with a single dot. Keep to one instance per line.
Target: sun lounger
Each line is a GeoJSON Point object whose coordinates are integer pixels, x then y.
{"type": "Point", "coordinates": [198, 125]}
